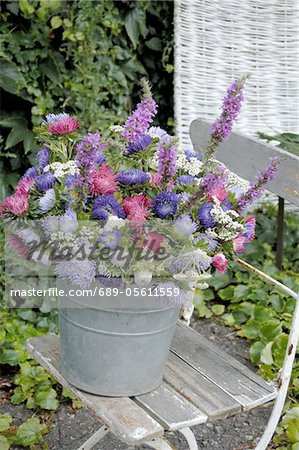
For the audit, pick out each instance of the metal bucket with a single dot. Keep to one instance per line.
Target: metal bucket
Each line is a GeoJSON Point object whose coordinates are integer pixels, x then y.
{"type": "Point", "coordinates": [115, 346]}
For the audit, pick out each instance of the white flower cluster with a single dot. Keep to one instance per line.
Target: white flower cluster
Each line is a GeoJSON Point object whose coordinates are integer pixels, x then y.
{"type": "Point", "coordinates": [193, 167]}
{"type": "Point", "coordinates": [235, 180]}
{"type": "Point", "coordinates": [117, 128]}
{"type": "Point", "coordinates": [62, 169]}
{"type": "Point", "coordinates": [231, 227]}
{"type": "Point", "coordinates": [114, 222]}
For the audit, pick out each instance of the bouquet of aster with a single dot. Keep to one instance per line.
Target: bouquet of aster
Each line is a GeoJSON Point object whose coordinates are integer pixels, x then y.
{"type": "Point", "coordinates": [133, 206]}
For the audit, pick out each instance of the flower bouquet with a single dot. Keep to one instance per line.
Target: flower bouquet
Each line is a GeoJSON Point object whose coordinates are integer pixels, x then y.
{"type": "Point", "coordinates": [133, 216]}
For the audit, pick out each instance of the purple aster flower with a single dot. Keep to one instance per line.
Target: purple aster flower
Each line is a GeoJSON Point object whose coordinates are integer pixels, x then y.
{"type": "Point", "coordinates": [68, 222]}
{"type": "Point", "coordinates": [185, 225]}
{"type": "Point", "coordinates": [51, 225]}
{"type": "Point", "coordinates": [106, 204]}
{"type": "Point", "coordinates": [212, 243]}
{"type": "Point", "coordinates": [31, 172]}
{"type": "Point", "coordinates": [46, 202]}
{"type": "Point", "coordinates": [90, 151]}
{"type": "Point", "coordinates": [189, 154]}
{"type": "Point", "coordinates": [45, 181]}
{"type": "Point", "coordinates": [42, 158]}
{"type": "Point", "coordinates": [138, 123]}
{"type": "Point", "coordinates": [185, 179]}
{"type": "Point", "coordinates": [81, 273]}
{"type": "Point", "coordinates": [256, 189]}
{"type": "Point", "coordinates": [167, 155]}
{"type": "Point", "coordinates": [110, 238]}
{"type": "Point", "coordinates": [165, 204]}
{"type": "Point", "coordinates": [226, 205]}
{"type": "Point", "coordinates": [137, 146]}
{"type": "Point", "coordinates": [209, 181]}
{"type": "Point", "coordinates": [204, 215]}
{"type": "Point", "coordinates": [73, 180]}
{"type": "Point", "coordinates": [112, 282]}
{"type": "Point", "coordinates": [157, 132]}
{"type": "Point", "coordinates": [132, 177]}
{"type": "Point", "coordinates": [231, 106]}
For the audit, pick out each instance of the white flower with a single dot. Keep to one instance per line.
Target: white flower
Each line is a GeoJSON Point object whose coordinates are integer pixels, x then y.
{"type": "Point", "coordinates": [46, 202]}
{"type": "Point", "coordinates": [62, 169]}
{"type": "Point", "coordinates": [117, 128]}
{"type": "Point", "coordinates": [157, 132]}
{"type": "Point", "coordinates": [114, 222]}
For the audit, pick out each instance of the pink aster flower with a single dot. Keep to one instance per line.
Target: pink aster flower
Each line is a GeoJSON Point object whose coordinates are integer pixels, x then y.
{"type": "Point", "coordinates": [239, 243]}
{"type": "Point", "coordinates": [152, 241]}
{"type": "Point", "coordinates": [24, 185]}
{"type": "Point", "coordinates": [155, 179]}
{"type": "Point", "coordinates": [220, 262]}
{"type": "Point", "coordinates": [65, 125]}
{"type": "Point", "coordinates": [219, 192]}
{"type": "Point", "coordinates": [102, 181]}
{"type": "Point", "coordinates": [17, 204]}
{"type": "Point", "coordinates": [137, 209]}
{"type": "Point", "coordinates": [18, 245]}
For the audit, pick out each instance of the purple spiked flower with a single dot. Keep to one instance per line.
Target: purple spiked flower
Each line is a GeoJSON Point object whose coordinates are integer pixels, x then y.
{"type": "Point", "coordinates": [204, 215]}
{"type": "Point", "coordinates": [45, 181]}
{"type": "Point", "coordinates": [137, 146]}
{"type": "Point", "coordinates": [165, 204]}
{"type": "Point", "coordinates": [138, 123]}
{"type": "Point", "coordinates": [167, 155]}
{"type": "Point", "coordinates": [231, 106]}
{"type": "Point", "coordinates": [90, 151]}
{"type": "Point", "coordinates": [106, 204]}
{"type": "Point", "coordinates": [132, 177]}
{"type": "Point", "coordinates": [256, 189]}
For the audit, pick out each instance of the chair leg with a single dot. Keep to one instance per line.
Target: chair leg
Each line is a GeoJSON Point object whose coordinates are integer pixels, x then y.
{"type": "Point", "coordinates": [190, 438]}
{"type": "Point", "coordinates": [95, 438]}
{"type": "Point", "coordinates": [160, 444]}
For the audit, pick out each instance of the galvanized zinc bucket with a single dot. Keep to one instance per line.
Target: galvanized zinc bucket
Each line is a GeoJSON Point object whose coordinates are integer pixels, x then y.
{"type": "Point", "coordinates": [115, 346]}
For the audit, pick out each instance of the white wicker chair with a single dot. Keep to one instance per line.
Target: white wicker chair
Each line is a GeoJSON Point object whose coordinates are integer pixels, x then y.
{"type": "Point", "coordinates": [215, 42]}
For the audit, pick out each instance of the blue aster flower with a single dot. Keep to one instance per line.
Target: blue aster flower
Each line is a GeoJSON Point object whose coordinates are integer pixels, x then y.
{"type": "Point", "coordinates": [185, 179]}
{"type": "Point", "coordinates": [226, 205]}
{"type": "Point", "coordinates": [189, 154]}
{"type": "Point", "coordinates": [42, 158]}
{"type": "Point", "coordinates": [132, 177]}
{"type": "Point", "coordinates": [165, 204]}
{"type": "Point", "coordinates": [185, 225]}
{"type": "Point", "coordinates": [110, 238]}
{"type": "Point", "coordinates": [52, 118]}
{"type": "Point", "coordinates": [46, 202]}
{"type": "Point", "coordinates": [204, 215]}
{"type": "Point", "coordinates": [45, 181]}
{"type": "Point", "coordinates": [81, 273]}
{"type": "Point", "coordinates": [69, 221]}
{"type": "Point", "coordinates": [73, 180]}
{"type": "Point", "coordinates": [137, 146]}
{"type": "Point", "coordinates": [31, 172]}
{"type": "Point", "coordinates": [106, 204]}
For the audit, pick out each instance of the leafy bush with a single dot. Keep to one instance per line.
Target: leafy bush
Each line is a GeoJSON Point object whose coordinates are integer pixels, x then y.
{"type": "Point", "coordinates": [80, 56]}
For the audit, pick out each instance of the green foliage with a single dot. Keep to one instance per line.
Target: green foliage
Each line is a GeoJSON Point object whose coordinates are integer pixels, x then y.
{"type": "Point", "coordinates": [83, 57]}
{"type": "Point", "coordinates": [260, 312]}
{"type": "Point", "coordinates": [27, 434]}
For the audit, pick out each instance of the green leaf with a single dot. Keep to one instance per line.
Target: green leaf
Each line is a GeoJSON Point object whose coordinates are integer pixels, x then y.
{"type": "Point", "coordinates": [218, 309]}
{"type": "Point", "coordinates": [277, 303]}
{"type": "Point", "coordinates": [4, 444]}
{"type": "Point", "coordinates": [12, 357]}
{"type": "Point", "coordinates": [279, 349]}
{"type": "Point", "coordinates": [30, 432]}
{"type": "Point", "coordinates": [5, 421]}
{"type": "Point", "coordinates": [251, 329]}
{"type": "Point", "coordinates": [132, 27]}
{"type": "Point", "coordinates": [56, 22]}
{"type": "Point", "coordinates": [266, 354]}
{"type": "Point", "coordinates": [270, 330]}
{"type": "Point", "coordinates": [261, 314]}
{"type": "Point", "coordinates": [26, 8]}
{"type": "Point", "coordinates": [11, 79]}
{"type": "Point", "coordinates": [227, 293]}
{"type": "Point", "coordinates": [154, 44]}
{"type": "Point", "coordinates": [292, 430]}
{"type": "Point", "coordinates": [47, 399]}
{"type": "Point", "coordinates": [255, 352]}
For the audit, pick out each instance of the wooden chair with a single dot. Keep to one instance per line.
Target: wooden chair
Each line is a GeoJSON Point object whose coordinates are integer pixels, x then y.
{"type": "Point", "coordinates": [201, 382]}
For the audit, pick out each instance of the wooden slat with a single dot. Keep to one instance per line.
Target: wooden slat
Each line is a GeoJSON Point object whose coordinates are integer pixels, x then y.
{"type": "Point", "coordinates": [226, 372]}
{"type": "Point", "coordinates": [200, 391]}
{"type": "Point", "coordinates": [123, 416]}
{"type": "Point", "coordinates": [170, 408]}
{"type": "Point", "coordinates": [246, 157]}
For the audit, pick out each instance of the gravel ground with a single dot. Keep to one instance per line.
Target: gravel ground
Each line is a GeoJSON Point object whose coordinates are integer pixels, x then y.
{"type": "Point", "coordinates": [70, 430]}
